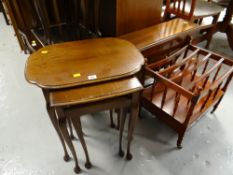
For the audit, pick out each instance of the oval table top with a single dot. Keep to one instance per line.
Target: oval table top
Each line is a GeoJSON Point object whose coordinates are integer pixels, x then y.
{"type": "Point", "coordinates": [82, 62]}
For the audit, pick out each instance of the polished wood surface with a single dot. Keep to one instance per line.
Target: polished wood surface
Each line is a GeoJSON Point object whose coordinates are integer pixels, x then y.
{"type": "Point", "coordinates": [186, 85]}
{"type": "Point", "coordinates": [118, 17]}
{"type": "Point", "coordinates": [133, 15]}
{"type": "Point", "coordinates": [57, 68]}
{"type": "Point", "coordinates": [160, 33]}
{"type": "Point", "coordinates": [75, 102]}
{"type": "Point", "coordinates": [192, 9]}
{"type": "Point", "coordinates": [71, 64]}
{"type": "Point", "coordinates": [96, 92]}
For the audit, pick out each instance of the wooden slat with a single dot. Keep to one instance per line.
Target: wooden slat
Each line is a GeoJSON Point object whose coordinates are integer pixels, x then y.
{"type": "Point", "coordinates": [167, 59]}
{"type": "Point", "coordinates": [171, 68]}
{"type": "Point", "coordinates": [170, 84]}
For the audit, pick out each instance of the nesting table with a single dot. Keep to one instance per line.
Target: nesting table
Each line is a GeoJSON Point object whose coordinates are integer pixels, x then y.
{"type": "Point", "coordinates": [87, 76]}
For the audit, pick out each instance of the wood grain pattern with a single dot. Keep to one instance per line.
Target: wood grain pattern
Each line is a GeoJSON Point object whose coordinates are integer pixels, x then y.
{"type": "Point", "coordinates": [185, 90]}
{"type": "Point", "coordinates": [96, 92]}
{"type": "Point", "coordinates": [157, 34]}
{"type": "Point", "coordinates": [133, 15]}
{"type": "Point", "coordinates": [56, 65]}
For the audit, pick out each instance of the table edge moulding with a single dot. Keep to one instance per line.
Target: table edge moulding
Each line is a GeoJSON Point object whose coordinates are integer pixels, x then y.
{"type": "Point", "coordinates": [55, 66]}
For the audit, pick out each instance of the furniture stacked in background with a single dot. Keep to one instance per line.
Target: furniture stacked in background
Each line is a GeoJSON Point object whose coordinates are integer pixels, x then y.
{"type": "Point", "coordinates": [73, 87]}
{"type": "Point", "coordinates": [84, 77]}
{"type": "Point", "coordinates": [38, 22]}
{"type": "Point", "coordinates": [3, 10]}
{"type": "Point", "coordinates": [226, 26]}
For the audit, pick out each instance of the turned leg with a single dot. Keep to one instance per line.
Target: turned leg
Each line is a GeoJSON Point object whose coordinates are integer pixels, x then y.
{"type": "Point", "coordinates": [132, 121]}
{"type": "Point", "coordinates": [54, 121]}
{"type": "Point", "coordinates": [122, 118]}
{"type": "Point", "coordinates": [66, 136]}
{"type": "Point", "coordinates": [78, 127]}
{"type": "Point", "coordinates": [53, 118]}
{"type": "Point", "coordinates": [216, 105]}
{"type": "Point", "coordinates": [111, 119]}
{"type": "Point", "coordinates": [180, 139]}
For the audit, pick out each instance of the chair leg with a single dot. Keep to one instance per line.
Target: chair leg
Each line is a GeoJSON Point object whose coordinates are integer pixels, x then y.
{"type": "Point", "coordinates": [122, 118]}
{"type": "Point", "coordinates": [216, 105]}
{"type": "Point", "coordinates": [112, 124]}
{"type": "Point", "coordinates": [229, 33]}
{"type": "Point", "coordinates": [166, 16]}
{"type": "Point", "coordinates": [212, 31]}
{"type": "Point", "coordinates": [63, 128]}
{"type": "Point", "coordinates": [54, 121]}
{"type": "Point", "coordinates": [78, 127]}
{"type": "Point", "coordinates": [180, 139]}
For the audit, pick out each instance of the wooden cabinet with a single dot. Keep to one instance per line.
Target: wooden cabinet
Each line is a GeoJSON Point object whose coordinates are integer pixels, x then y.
{"type": "Point", "coordinates": [118, 17]}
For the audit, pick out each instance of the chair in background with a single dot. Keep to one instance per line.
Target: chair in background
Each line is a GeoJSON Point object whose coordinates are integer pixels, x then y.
{"type": "Point", "coordinates": [2, 9]}
{"type": "Point", "coordinates": [226, 25]}
{"type": "Point", "coordinates": [194, 10]}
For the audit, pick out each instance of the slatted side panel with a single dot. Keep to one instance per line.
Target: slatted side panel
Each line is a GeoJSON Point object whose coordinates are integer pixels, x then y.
{"type": "Point", "coordinates": [180, 8]}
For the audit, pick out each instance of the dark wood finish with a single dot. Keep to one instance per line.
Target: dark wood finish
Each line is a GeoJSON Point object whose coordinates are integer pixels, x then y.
{"type": "Point", "coordinates": [163, 39]}
{"type": "Point", "coordinates": [94, 97]}
{"type": "Point", "coordinates": [118, 17]}
{"type": "Point", "coordinates": [226, 25]}
{"type": "Point", "coordinates": [156, 35]}
{"type": "Point", "coordinates": [59, 21]}
{"type": "Point", "coordinates": [76, 102]}
{"type": "Point", "coordinates": [3, 10]}
{"type": "Point", "coordinates": [192, 9]}
{"type": "Point", "coordinates": [54, 120]}
{"type": "Point", "coordinates": [23, 18]}
{"type": "Point", "coordinates": [56, 66]}
{"type": "Point", "coordinates": [185, 88]}
{"type": "Point", "coordinates": [133, 15]}
{"type": "Point", "coordinates": [97, 92]}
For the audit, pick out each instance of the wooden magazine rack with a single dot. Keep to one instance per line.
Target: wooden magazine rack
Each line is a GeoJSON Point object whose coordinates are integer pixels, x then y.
{"type": "Point", "coordinates": [185, 85]}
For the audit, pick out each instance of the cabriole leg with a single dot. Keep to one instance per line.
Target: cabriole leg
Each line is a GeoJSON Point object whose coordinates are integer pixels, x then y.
{"type": "Point", "coordinates": [78, 128]}
{"type": "Point", "coordinates": [122, 118]}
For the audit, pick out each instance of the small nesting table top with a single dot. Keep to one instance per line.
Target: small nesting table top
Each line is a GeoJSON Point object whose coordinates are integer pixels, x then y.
{"type": "Point", "coordinates": [82, 62]}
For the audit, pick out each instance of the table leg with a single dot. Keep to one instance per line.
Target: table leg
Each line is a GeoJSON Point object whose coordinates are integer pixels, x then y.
{"type": "Point", "coordinates": [63, 128]}
{"type": "Point", "coordinates": [70, 127]}
{"type": "Point", "coordinates": [54, 121]}
{"type": "Point", "coordinates": [111, 119]}
{"type": "Point", "coordinates": [133, 119]}
{"type": "Point", "coordinates": [53, 118]}
{"type": "Point", "coordinates": [78, 127]}
{"type": "Point", "coordinates": [122, 118]}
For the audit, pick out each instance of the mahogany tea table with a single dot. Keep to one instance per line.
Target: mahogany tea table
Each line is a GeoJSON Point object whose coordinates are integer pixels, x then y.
{"type": "Point", "coordinates": [75, 64]}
